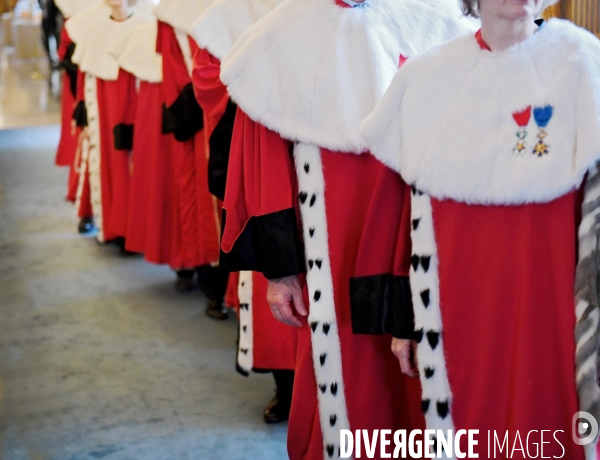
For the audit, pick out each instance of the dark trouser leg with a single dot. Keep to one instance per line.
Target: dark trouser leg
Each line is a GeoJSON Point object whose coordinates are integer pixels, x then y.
{"type": "Point", "coordinates": [278, 410]}
{"type": "Point", "coordinates": [185, 280]}
{"type": "Point", "coordinates": [214, 284]}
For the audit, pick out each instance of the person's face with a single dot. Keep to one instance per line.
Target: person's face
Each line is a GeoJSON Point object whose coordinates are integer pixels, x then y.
{"type": "Point", "coordinates": [510, 9]}
{"type": "Point", "coordinates": [116, 3]}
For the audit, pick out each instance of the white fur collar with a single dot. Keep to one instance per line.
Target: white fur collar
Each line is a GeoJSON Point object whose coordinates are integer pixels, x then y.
{"type": "Point", "coordinates": [446, 123]}
{"type": "Point", "coordinates": [70, 8]}
{"type": "Point", "coordinates": [180, 14]}
{"type": "Point", "coordinates": [136, 52]}
{"type": "Point", "coordinates": [92, 51]}
{"type": "Point", "coordinates": [312, 70]}
{"type": "Point", "coordinates": [225, 21]}
{"type": "Point", "coordinates": [78, 25]}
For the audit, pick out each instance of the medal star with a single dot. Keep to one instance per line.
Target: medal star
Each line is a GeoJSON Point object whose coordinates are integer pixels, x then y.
{"type": "Point", "coordinates": [540, 149]}
{"type": "Point", "coordinates": [520, 146]}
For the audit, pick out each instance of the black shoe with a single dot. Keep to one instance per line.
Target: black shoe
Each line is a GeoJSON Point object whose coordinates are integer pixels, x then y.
{"type": "Point", "coordinates": [276, 411]}
{"type": "Point", "coordinates": [185, 281]}
{"type": "Point", "coordinates": [216, 311]}
{"type": "Point", "coordinates": [86, 225]}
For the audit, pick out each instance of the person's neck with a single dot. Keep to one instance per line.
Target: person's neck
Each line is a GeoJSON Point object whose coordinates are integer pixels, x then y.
{"type": "Point", "coordinates": [120, 13]}
{"type": "Point", "coordinates": [501, 33]}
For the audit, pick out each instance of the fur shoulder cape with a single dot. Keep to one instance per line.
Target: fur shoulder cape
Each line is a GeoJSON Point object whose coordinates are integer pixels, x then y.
{"type": "Point", "coordinates": [224, 21]}
{"type": "Point", "coordinates": [312, 70]}
{"type": "Point", "coordinates": [180, 14]}
{"type": "Point", "coordinates": [70, 8]}
{"type": "Point", "coordinates": [78, 25]}
{"type": "Point", "coordinates": [450, 119]}
{"type": "Point", "coordinates": [92, 51]}
{"type": "Point", "coordinates": [136, 52]}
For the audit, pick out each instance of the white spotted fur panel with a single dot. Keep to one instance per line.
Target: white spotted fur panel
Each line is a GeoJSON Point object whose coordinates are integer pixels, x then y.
{"type": "Point", "coordinates": [245, 356]}
{"type": "Point", "coordinates": [425, 286]}
{"type": "Point", "coordinates": [326, 350]}
{"type": "Point", "coordinates": [92, 163]}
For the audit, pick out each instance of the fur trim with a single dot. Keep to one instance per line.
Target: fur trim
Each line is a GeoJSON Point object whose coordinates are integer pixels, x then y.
{"type": "Point", "coordinates": [587, 310]}
{"type": "Point", "coordinates": [326, 348]}
{"type": "Point", "coordinates": [91, 157]}
{"type": "Point", "coordinates": [446, 122]}
{"type": "Point", "coordinates": [225, 21]}
{"type": "Point", "coordinates": [312, 70]}
{"type": "Point", "coordinates": [146, 6]}
{"type": "Point", "coordinates": [136, 52]}
{"type": "Point", "coordinates": [424, 281]}
{"type": "Point", "coordinates": [78, 25]}
{"type": "Point", "coordinates": [245, 356]}
{"type": "Point", "coordinates": [92, 50]}
{"type": "Point", "coordinates": [180, 14]}
{"type": "Point", "coordinates": [70, 8]}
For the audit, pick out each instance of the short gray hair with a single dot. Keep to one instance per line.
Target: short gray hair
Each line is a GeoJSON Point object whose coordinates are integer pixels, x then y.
{"type": "Point", "coordinates": [470, 7]}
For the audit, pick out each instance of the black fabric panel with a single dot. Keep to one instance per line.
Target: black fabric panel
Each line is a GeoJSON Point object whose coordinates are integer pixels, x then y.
{"type": "Point", "coordinates": [381, 304]}
{"type": "Point", "coordinates": [80, 114]}
{"type": "Point", "coordinates": [269, 244]}
{"type": "Point", "coordinates": [185, 116]}
{"type": "Point", "coordinates": [168, 121]}
{"type": "Point", "coordinates": [220, 145]}
{"type": "Point", "coordinates": [70, 68]}
{"type": "Point", "coordinates": [123, 136]}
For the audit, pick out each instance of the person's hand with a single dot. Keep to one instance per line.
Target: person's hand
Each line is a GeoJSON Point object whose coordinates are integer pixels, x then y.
{"type": "Point", "coordinates": [284, 296]}
{"type": "Point", "coordinates": [406, 353]}
{"type": "Point", "coordinates": [83, 136]}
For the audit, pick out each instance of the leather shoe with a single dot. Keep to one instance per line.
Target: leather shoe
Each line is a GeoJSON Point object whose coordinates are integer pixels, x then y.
{"type": "Point", "coordinates": [216, 311]}
{"type": "Point", "coordinates": [276, 411]}
{"type": "Point", "coordinates": [86, 225]}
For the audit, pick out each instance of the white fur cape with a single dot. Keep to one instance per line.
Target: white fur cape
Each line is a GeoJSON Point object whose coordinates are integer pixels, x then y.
{"type": "Point", "coordinates": [312, 70]}
{"type": "Point", "coordinates": [96, 37]}
{"type": "Point", "coordinates": [77, 25]}
{"type": "Point", "coordinates": [136, 52]}
{"type": "Point", "coordinates": [180, 14]}
{"type": "Point", "coordinates": [70, 8]}
{"type": "Point", "coordinates": [224, 21]}
{"type": "Point", "coordinates": [446, 122]}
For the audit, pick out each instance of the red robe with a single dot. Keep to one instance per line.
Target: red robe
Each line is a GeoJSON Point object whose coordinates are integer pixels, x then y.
{"type": "Point", "coordinates": [116, 106]}
{"type": "Point", "coordinates": [364, 223]}
{"type": "Point", "coordinates": [67, 145]}
{"type": "Point", "coordinates": [196, 216]}
{"type": "Point", "coordinates": [505, 332]}
{"type": "Point", "coordinates": [150, 227]}
{"type": "Point", "coordinates": [270, 340]}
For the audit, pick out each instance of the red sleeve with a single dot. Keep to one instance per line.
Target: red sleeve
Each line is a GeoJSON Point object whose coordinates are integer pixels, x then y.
{"type": "Point", "coordinates": [260, 224]}
{"type": "Point", "coordinates": [380, 290]}
{"type": "Point", "coordinates": [209, 90]}
{"type": "Point", "coordinates": [65, 41]}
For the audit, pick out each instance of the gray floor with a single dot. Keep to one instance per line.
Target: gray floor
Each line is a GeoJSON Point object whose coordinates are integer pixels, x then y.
{"type": "Point", "coordinates": [99, 357]}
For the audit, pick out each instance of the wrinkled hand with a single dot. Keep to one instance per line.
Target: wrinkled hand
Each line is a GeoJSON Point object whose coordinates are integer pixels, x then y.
{"type": "Point", "coordinates": [406, 353]}
{"type": "Point", "coordinates": [285, 299]}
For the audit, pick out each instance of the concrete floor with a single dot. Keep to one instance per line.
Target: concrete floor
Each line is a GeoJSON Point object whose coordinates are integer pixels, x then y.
{"type": "Point", "coordinates": [99, 357]}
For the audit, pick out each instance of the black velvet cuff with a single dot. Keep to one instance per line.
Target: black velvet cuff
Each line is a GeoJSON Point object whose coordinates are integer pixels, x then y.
{"type": "Point", "coordinates": [80, 114]}
{"type": "Point", "coordinates": [168, 121]}
{"type": "Point", "coordinates": [123, 136]}
{"type": "Point", "coordinates": [184, 117]}
{"type": "Point", "coordinates": [382, 304]}
{"type": "Point", "coordinates": [70, 68]}
{"type": "Point", "coordinates": [220, 145]}
{"type": "Point", "coordinates": [269, 244]}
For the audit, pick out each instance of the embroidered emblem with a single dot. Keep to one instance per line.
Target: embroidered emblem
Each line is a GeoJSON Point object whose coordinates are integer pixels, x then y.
{"type": "Point", "coordinates": [542, 116]}
{"type": "Point", "coordinates": [522, 119]}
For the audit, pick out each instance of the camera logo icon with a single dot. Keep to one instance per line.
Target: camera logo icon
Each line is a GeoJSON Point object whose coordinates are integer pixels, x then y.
{"type": "Point", "coordinates": [585, 428]}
